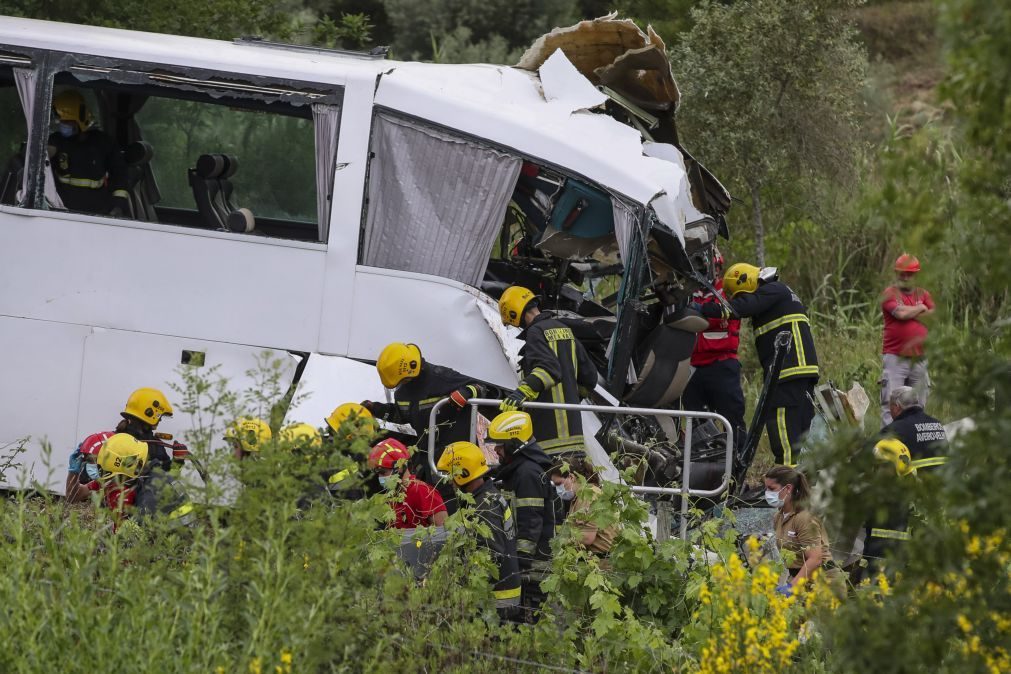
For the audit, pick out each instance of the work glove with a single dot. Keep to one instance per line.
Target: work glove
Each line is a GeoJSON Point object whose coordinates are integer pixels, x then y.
{"type": "Point", "coordinates": [461, 395]}
{"type": "Point", "coordinates": [76, 462]}
{"type": "Point", "coordinates": [585, 391]}
{"type": "Point", "coordinates": [180, 451]}
{"type": "Point", "coordinates": [785, 589]}
{"type": "Point", "coordinates": [515, 400]}
{"type": "Point", "coordinates": [372, 407]}
{"type": "Point", "coordinates": [696, 307]}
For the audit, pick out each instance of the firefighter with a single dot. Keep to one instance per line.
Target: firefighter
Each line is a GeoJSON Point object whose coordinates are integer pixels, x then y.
{"type": "Point", "coordinates": [83, 471]}
{"type": "Point", "coordinates": [135, 488]}
{"type": "Point", "coordinates": [353, 414]}
{"type": "Point", "coordinates": [302, 438]}
{"type": "Point", "coordinates": [523, 475]}
{"type": "Point", "coordinates": [248, 436]}
{"type": "Point", "coordinates": [921, 433]}
{"type": "Point", "coordinates": [90, 172]}
{"type": "Point", "coordinates": [774, 308]}
{"type": "Point", "coordinates": [466, 463]}
{"type": "Point", "coordinates": [418, 385]}
{"type": "Point", "coordinates": [414, 503]}
{"type": "Point", "coordinates": [715, 384]}
{"type": "Point", "coordinates": [555, 368]}
{"type": "Point", "coordinates": [888, 524]}
{"type": "Point", "coordinates": [145, 408]}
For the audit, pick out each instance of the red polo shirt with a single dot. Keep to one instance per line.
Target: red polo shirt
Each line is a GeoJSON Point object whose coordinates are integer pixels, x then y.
{"type": "Point", "coordinates": [904, 338]}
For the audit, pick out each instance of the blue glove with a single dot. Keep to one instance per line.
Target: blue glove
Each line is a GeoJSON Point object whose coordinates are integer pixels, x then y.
{"type": "Point", "coordinates": [76, 463]}
{"type": "Point", "coordinates": [785, 589]}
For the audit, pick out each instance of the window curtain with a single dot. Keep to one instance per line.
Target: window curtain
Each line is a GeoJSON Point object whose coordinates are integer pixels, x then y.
{"type": "Point", "coordinates": [624, 225]}
{"type": "Point", "coordinates": [436, 201]}
{"type": "Point", "coordinates": [326, 119]}
{"type": "Point", "coordinates": [25, 79]}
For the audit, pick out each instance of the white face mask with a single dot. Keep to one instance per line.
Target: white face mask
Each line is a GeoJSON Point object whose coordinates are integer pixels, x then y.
{"type": "Point", "coordinates": [563, 493]}
{"type": "Point", "coordinates": [384, 480]}
{"type": "Point", "coordinates": [773, 498]}
{"type": "Point", "coordinates": [92, 470]}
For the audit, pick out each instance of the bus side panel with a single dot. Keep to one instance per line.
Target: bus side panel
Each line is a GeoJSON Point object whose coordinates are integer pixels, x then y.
{"type": "Point", "coordinates": [160, 279]}
{"type": "Point", "coordinates": [41, 378]}
{"type": "Point", "coordinates": [329, 381]}
{"type": "Point", "coordinates": [118, 362]}
{"type": "Point", "coordinates": [442, 317]}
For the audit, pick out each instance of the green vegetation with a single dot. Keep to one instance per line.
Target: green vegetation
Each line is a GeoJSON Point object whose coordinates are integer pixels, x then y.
{"type": "Point", "coordinates": [255, 588]}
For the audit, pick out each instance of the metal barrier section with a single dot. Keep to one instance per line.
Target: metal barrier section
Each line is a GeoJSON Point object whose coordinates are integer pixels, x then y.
{"type": "Point", "coordinates": [684, 491]}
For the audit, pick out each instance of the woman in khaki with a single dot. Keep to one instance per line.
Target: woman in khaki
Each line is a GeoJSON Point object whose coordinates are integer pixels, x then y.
{"type": "Point", "coordinates": [580, 499]}
{"type": "Point", "coordinates": [798, 530]}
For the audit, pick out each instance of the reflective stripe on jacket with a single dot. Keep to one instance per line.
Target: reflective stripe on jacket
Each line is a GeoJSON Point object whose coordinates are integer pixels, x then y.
{"type": "Point", "coordinates": [555, 365]}
{"type": "Point", "coordinates": [491, 507]}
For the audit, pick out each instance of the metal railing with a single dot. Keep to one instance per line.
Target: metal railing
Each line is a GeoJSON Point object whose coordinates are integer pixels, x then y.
{"type": "Point", "coordinates": [684, 491]}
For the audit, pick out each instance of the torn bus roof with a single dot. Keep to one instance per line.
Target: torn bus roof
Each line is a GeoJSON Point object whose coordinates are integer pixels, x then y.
{"type": "Point", "coordinates": [508, 107]}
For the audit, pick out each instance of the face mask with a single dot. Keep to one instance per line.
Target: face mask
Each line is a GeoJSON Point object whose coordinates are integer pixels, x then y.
{"type": "Point", "coordinates": [563, 493]}
{"type": "Point", "coordinates": [92, 470]}
{"type": "Point", "coordinates": [773, 499]}
{"type": "Point", "coordinates": [385, 480]}
{"type": "Point", "coordinates": [66, 129]}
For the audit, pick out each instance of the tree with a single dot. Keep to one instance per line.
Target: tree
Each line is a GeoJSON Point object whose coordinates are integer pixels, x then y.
{"type": "Point", "coordinates": [770, 92]}
{"type": "Point", "coordinates": [516, 23]}
{"type": "Point", "coordinates": [222, 19]}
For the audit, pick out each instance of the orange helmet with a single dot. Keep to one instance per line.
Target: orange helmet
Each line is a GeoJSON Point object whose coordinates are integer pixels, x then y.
{"type": "Point", "coordinates": [907, 263]}
{"type": "Point", "coordinates": [387, 453]}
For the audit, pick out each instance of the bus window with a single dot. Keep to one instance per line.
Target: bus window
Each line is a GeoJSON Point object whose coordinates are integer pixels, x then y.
{"type": "Point", "coordinates": [194, 152]}
{"type": "Point", "coordinates": [13, 135]}
{"type": "Point", "coordinates": [275, 176]}
{"type": "Point", "coordinates": [436, 201]}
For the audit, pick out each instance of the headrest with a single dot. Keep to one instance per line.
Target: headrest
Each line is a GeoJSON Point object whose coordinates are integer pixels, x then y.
{"type": "Point", "coordinates": [138, 153]}
{"type": "Point", "coordinates": [216, 166]}
{"type": "Point", "coordinates": [241, 221]}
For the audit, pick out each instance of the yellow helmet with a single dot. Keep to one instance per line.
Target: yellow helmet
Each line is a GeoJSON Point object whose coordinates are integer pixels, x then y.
{"type": "Point", "coordinates": [397, 362]}
{"type": "Point", "coordinates": [148, 405]}
{"type": "Point", "coordinates": [69, 106]}
{"type": "Point", "coordinates": [741, 278]}
{"type": "Point", "coordinates": [346, 412]}
{"type": "Point", "coordinates": [894, 451]}
{"type": "Point", "coordinates": [514, 425]}
{"type": "Point", "coordinates": [122, 454]}
{"type": "Point", "coordinates": [513, 303]}
{"type": "Point", "coordinates": [464, 461]}
{"type": "Point", "coordinates": [251, 434]}
{"type": "Point", "coordinates": [301, 436]}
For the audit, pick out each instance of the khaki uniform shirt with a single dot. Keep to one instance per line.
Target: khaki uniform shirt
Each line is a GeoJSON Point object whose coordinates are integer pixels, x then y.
{"type": "Point", "coordinates": [604, 537]}
{"type": "Point", "coordinates": [798, 532]}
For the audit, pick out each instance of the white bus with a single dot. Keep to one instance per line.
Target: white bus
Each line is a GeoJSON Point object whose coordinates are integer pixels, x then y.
{"type": "Point", "coordinates": [324, 204]}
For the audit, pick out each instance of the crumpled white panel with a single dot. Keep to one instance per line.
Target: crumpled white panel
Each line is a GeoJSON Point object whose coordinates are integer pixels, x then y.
{"type": "Point", "coordinates": [565, 86]}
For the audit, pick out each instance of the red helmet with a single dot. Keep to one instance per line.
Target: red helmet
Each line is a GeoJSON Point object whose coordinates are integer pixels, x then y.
{"type": "Point", "coordinates": [93, 442]}
{"type": "Point", "coordinates": [907, 263]}
{"type": "Point", "coordinates": [386, 453]}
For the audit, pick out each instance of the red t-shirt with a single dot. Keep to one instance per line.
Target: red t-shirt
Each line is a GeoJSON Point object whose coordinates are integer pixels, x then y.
{"type": "Point", "coordinates": [421, 501]}
{"type": "Point", "coordinates": [904, 338]}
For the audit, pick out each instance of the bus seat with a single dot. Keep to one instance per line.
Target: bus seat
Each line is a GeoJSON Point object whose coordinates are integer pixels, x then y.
{"type": "Point", "coordinates": [214, 194]}
{"type": "Point", "coordinates": [138, 157]}
{"type": "Point", "coordinates": [203, 179]}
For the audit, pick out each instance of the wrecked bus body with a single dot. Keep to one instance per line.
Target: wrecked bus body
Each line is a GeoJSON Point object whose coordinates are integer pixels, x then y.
{"type": "Point", "coordinates": [403, 199]}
